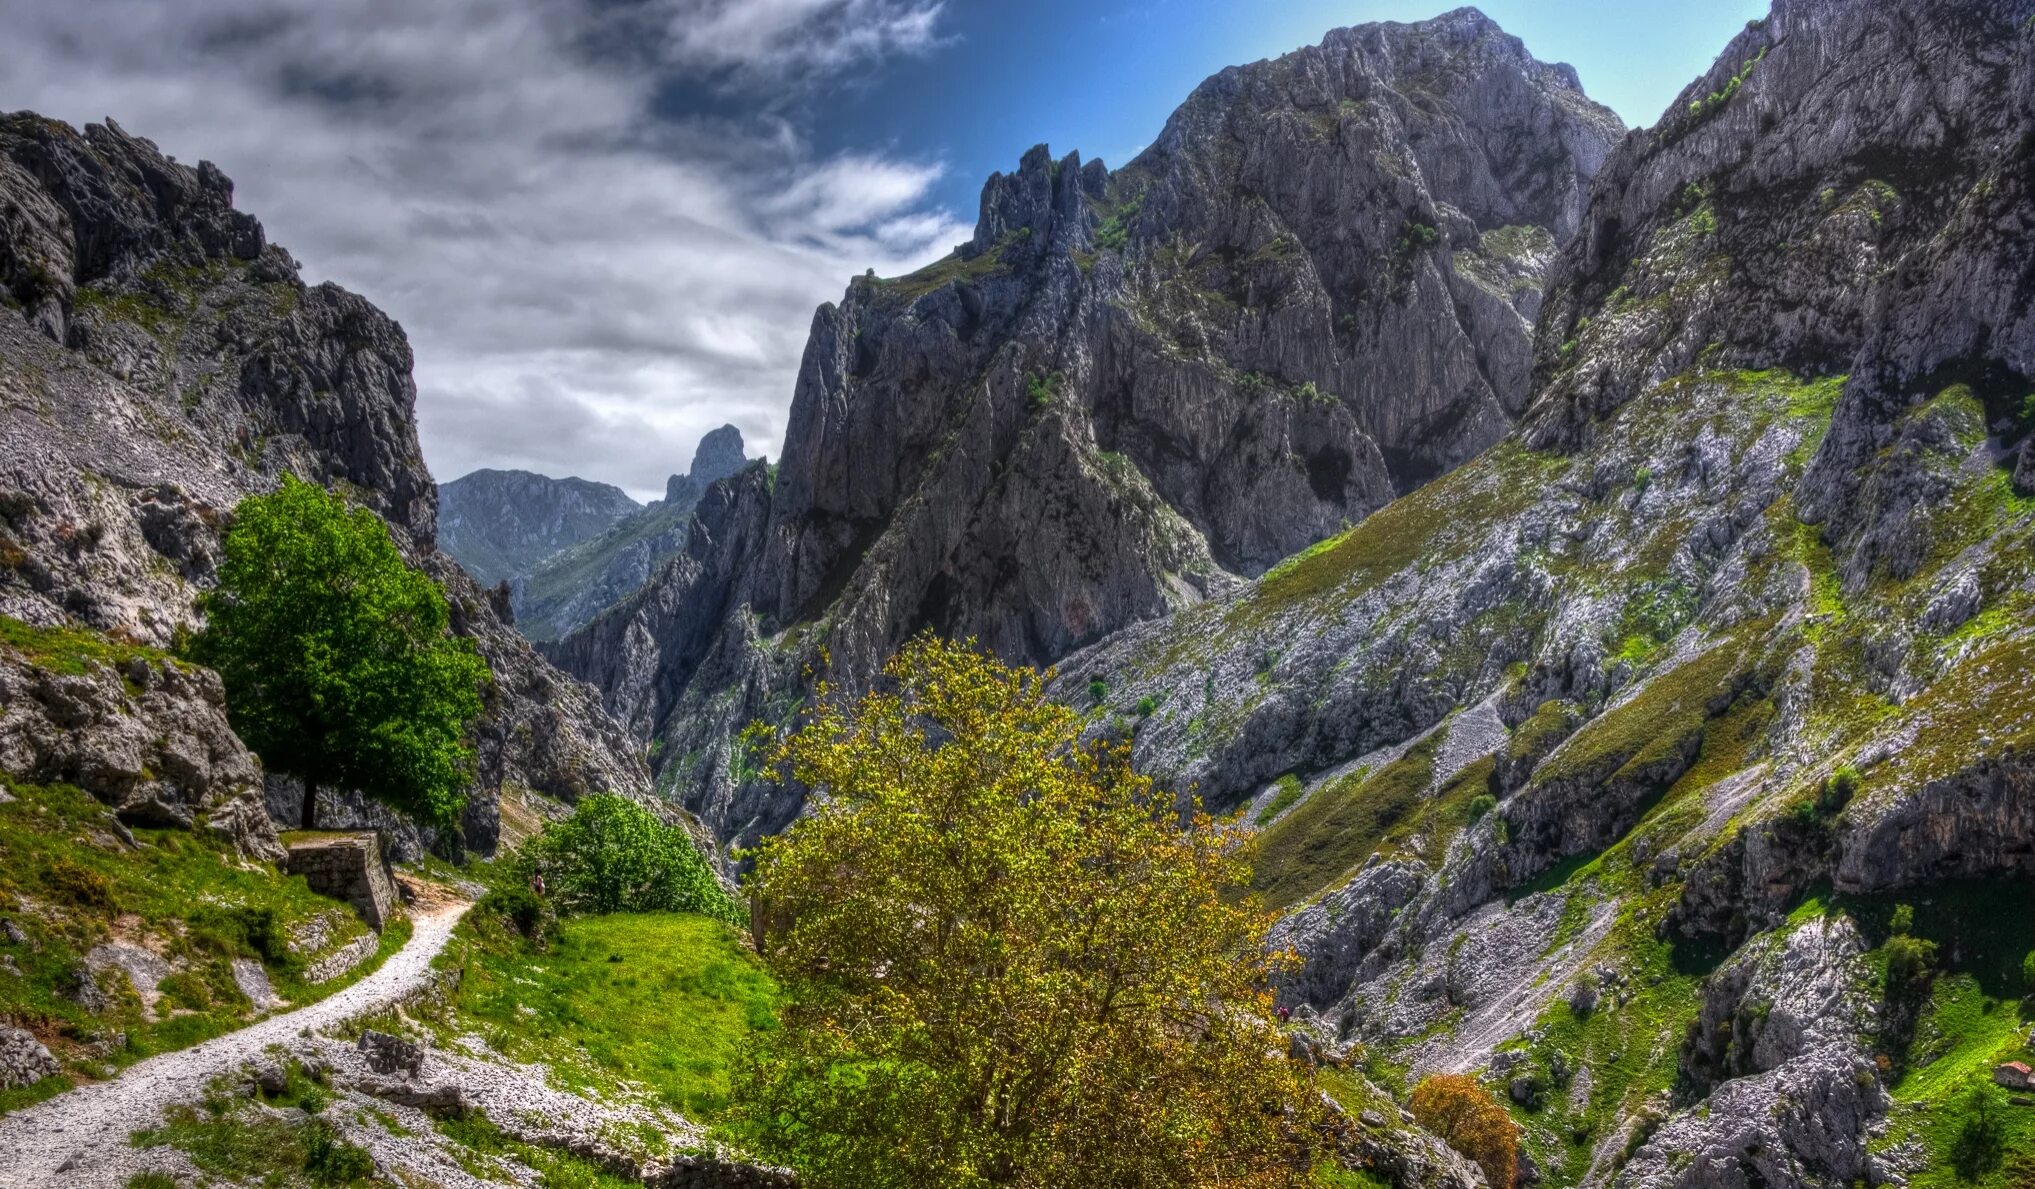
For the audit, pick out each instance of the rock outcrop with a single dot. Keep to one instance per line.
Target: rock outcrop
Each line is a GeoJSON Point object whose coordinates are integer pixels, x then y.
{"type": "Point", "coordinates": [159, 361]}
{"type": "Point", "coordinates": [145, 734]}
{"type": "Point", "coordinates": [1131, 390]}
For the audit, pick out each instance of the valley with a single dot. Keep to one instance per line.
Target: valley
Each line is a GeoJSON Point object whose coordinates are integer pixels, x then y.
{"type": "Point", "coordinates": [1410, 635]}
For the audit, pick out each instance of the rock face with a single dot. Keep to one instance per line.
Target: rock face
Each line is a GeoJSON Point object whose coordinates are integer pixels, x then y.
{"type": "Point", "coordinates": [497, 524]}
{"type": "Point", "coordinates": [144, 734]}
{"type": "Point", "coordinates": [1750, 591]}
{"type": "Point", "coordinates": [1128, 391]}
{"type": "Point", "coordinates": [566, 590]}
{"type": "Point", "coordinates": [159, 361]}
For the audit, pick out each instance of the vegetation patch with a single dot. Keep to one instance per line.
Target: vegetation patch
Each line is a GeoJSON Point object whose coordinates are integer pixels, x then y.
{"type": "Point", "coordinates": [661, 1000]}
{"type": "Point", "coordinates": [183, 893]}
{"type": "Point", "coordinates": [1341, 825]}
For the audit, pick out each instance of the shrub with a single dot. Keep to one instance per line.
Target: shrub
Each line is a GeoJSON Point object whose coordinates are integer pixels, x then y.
{"type": "Point", "coordinates": [1482, 804]}
{"type": "Point", "coordinates": [1466, 1116]}
{"type": "Point", "coordinates": [2028, 972]}
{"type": "Point", "coordinates": [1911, 962]}
{"type": "Point", "coordinates": [330, 1160]}
{"type": "Point", "coordinates": [613, 855]}
{"type": "Point", "coordinates": [1837, 790]}
{"type": "Point", "coordinates": [519, 908]}
{"type": "Point", "coordinates": [1147, 705]}
{"type": "Point", "coordinates": [76, 884]}
{"type": "Point", "coordinates": [240, 929]}
{"type": "Point", "coordinates": [1098, 691]}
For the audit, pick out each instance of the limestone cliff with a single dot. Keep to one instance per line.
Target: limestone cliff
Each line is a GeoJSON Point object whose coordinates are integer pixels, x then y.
{"type": "Point", "coordinates": [1722, 655]}
{"type": "Point", "coordinates": [160, 360]}
{"type": "Point", "coordinates": [1129, 391]}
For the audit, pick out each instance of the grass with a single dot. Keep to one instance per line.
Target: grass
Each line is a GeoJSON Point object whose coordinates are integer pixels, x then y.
{"type": "Point", "coordinates": [1340, 826]}
{"type": "Point", "coordinates": [73, 651]}
{"type": "Point", "coordinates": [187, 891]}
{"type": "Point", "coordinates": [1974, 1019]}
{"type": "Point", "coordinates": [1289, 791]}
{"type": "Point", "coordinates": [250, 1143]}
{"type": "Point", "coordinates": [664, 1000]}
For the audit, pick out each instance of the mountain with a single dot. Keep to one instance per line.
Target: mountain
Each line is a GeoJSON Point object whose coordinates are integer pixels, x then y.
{"type": "Point", "coordinates": [1128, 392]}
{"type": "Point", "coordinates": [499, 524]}
{"type": "Point", "coordinates": [566, 589]}
{"type": "Point", "coordinates": [159, 361]}
{"type": "Point", "coordinates": [1671, 763]}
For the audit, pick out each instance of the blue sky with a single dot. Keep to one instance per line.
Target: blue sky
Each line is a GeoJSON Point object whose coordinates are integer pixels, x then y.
{"type": "Point", "coordinates": [1103, 77]}
{"type": "Point", "coordinates": [605, 224]}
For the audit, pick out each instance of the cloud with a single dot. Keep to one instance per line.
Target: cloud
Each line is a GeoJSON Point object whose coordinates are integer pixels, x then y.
{"type": "Point", "coordinates": [591, 275]}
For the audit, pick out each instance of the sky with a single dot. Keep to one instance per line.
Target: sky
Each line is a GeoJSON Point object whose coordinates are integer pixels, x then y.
{"type": "Point", "coordinates": [605, 224]}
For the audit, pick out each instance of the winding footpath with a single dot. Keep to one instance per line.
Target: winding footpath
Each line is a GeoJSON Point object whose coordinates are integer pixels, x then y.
{"type": "Point", "coordinates": [80, 1137]}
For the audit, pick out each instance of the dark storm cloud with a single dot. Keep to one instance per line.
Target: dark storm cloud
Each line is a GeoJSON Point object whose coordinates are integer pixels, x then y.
{"type": "Point", "coordinates": [591, 276]}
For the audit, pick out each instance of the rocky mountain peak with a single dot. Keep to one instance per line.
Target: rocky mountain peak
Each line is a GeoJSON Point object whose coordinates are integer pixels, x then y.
{"type": "Point", "coordinates": [1045, 205]}
{"type": "Point", "coordinates": [718, 455]}
{"type": "Point", "coordinates": [1131, 390]}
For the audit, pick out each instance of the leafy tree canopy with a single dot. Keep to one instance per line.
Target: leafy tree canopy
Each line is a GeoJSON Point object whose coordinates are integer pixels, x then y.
{"type": "Point", "coordinates": [1007, 962]}
{"type": "Point", "coordinates": [336, 658]}
{"type": "Point", "coordinates": [1466, 1116]}
{"type": "Point", "coordinates": [613, 855]}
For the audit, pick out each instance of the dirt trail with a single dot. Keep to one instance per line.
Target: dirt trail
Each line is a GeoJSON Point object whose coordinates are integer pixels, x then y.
{"type": "Point", "coordinates": [80, 1137]}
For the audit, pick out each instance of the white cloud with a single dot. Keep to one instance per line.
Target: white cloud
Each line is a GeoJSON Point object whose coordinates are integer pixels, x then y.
{"type": "Point", "coordinates": [589, 283]}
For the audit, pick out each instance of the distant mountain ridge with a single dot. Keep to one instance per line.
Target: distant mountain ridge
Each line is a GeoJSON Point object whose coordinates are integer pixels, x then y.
{"type": "Point", "coordinates": [567, 588]}
{"type": "Point", "coordinates": [499, 524]}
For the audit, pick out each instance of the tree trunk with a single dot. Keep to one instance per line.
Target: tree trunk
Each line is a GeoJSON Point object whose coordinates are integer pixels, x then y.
{"type": "Point", "coordinates": [310, 804]}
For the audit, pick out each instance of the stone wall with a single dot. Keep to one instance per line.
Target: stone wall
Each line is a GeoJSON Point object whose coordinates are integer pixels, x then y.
{"type": "Point", "coordinates": [345, 867]}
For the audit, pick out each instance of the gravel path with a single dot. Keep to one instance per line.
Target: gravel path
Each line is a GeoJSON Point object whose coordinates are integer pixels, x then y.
{"type": "Point", "coordinates": [80, 1138]}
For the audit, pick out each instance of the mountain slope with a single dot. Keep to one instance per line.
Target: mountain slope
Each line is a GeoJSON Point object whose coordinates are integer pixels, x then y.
{"type": "Point", "coordinates": [497, 524]}
{"type": "Point", "coordinates": [160, 360]}
{"type": "Point", "coordinates": [1610, 755]}
{"type": "Point", "coordinates": [567, 589]}
{"type": "Point", "coordinates": [1129, 390]}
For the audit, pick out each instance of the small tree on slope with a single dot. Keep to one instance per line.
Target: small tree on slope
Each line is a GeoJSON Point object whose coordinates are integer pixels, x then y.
{"type": "Point", "coordinates": [1006, 961]}
{"type": "Point", "coordinates": [336, 659]}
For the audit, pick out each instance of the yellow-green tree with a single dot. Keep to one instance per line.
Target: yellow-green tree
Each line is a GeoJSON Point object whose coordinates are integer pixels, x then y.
{"type": "Point", "coordinates": [1006, 961]}
{"type": "Point", "coordinates": [1466, 1115]}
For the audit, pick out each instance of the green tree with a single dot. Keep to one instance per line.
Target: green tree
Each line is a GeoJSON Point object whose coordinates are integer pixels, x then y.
{"type": "Point", "coordinates": [613, 855]}
{"type": "Point", "coordinates": [1981, 1142]}
{"type": "Point", "coordinates": [336, 658]}
{"type": "Point", "coordinates": [1007, 962]}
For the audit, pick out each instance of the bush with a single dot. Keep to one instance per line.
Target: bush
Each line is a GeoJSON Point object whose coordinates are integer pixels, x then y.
{"type": "Point", "coordinates": [1147, 705]}
{"type": "Point", "coordinates": [519, 909]}
{"type": "Point", "coordinates": [1837, 791]}
{"type": "Point", "coordinates": [76, 884]}
{"type": "Point", "coordinates": [613, 855]}
{"type": "Point", "coordinates": [330, 1160]}
{"type": "Point", "coordinates": [2028, 972]}
{"type": "Point", "coordinates": [1098, 691]}
{"type": "Point", "coordinates": [232, 931]}
{"type": "Point", "coordinates": [1482, 804]}
{"type": "Point", "coordinates": [1911, 962]}
{"type": "Point", "coordinates": [949, 923]}
{"type": "Point", "coordinates": [1466, 1116]}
